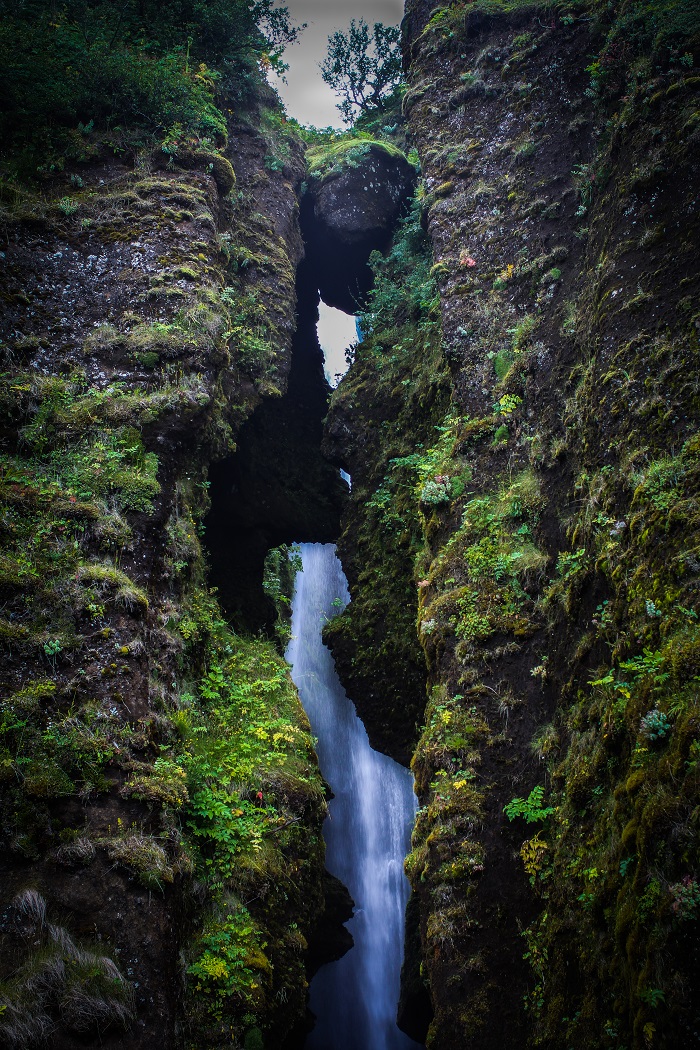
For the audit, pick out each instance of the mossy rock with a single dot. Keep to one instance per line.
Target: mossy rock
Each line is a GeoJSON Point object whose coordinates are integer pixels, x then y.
{"type": "Point", "coordinates": [47, 780]}
{"type": "Point", "coordinates": [221, 169]}
{"type": "Point", "coordinates": [333, 158]}
{"type": "Point", "coordinates": [213, 164]}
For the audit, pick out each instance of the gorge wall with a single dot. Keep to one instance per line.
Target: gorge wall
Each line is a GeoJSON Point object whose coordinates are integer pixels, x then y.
{"type": "Point", "coordinates": [162, 405]}
{"type": "Point", "coordinates": [161, 802]}
{"type": "Point", "coordinates": [520, 423]}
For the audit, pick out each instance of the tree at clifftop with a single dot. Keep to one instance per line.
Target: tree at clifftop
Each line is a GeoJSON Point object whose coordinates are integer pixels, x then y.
{"type": "Point", "coordinates": [363, 68]}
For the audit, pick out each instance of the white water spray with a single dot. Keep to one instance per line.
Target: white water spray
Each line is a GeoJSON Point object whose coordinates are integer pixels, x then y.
{"type": "Point", "coordinates": [367, 835]}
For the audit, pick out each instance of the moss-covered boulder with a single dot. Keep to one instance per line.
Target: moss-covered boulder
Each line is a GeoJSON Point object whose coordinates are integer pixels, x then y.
{"type": "Point", "coordinates": [357, 191]}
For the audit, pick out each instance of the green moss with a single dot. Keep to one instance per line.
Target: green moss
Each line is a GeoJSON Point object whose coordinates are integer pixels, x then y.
{"type": "Point", "coordinates": [46, 780]}
{"type": "Point", "coordinates": [143, 855]}
{"type": "Point", "coordinates": [476, 580]}
{"type": "Point", "coordinates": [107, 578]}
{"type": "Point", "coordinates": [334, 157]}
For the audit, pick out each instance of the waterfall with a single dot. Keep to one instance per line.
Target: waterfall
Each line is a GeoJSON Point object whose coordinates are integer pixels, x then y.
{"type": "Point", "coordinates": [367, 834]}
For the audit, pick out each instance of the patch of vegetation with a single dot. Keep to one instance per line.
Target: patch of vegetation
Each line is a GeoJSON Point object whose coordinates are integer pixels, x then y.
{"type": "Point", "coordinates": [281, 566]}
{"type": "Point", "coordinates": [55, 978]}
{"type": "Point", "coordinates": [252, 813]}
{"type": "Point", "coordinates": [334, 156]}
{"type": "Point", "coordinates": [482, 578]}
{"type": "Point", "coordinates": [90, 76]}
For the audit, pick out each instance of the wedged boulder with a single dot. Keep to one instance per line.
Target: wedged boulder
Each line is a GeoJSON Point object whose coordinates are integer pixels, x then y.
{"type": "Point", "coordinates": [349, 210]}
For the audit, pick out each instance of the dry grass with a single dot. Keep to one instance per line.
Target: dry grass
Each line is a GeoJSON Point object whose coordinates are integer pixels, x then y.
{"type": "Point", "coordinates": [59, 984]}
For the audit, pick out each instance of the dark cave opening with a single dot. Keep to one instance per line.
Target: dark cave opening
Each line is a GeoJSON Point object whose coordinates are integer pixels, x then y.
{"type": "Point", "coordinates": [343, 274]}
{"type": "Point", "coordinates": [278, 487]}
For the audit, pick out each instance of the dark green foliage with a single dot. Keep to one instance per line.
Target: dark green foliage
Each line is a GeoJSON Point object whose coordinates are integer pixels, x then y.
{"type": "Point", "coordinates": [531, 809]}
{"type": "Point", "coordinates": [404, 290]}
{"type": "Point", "coordinates": [661, 33]}
{"type": "Point", "coordinates": [281, 566]}
{"type": "Point", "coordinates": [363, 68]}
{"type": "Point", "coordinates": [100, 73]}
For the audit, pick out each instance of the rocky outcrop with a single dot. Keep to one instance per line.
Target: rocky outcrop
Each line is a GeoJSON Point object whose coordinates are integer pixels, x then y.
{"type": "Point", "coordinates": [350, 208]}
{"type": "Point", "coordinates": [147, 315]}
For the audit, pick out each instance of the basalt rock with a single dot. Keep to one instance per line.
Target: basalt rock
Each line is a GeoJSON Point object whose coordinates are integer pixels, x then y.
{"type": "Point", "coordinates": [118, 304]}
{"type": "Point", "coordinates": [554, 853]}
{"type": "Point", "coordinates": [349, 213]}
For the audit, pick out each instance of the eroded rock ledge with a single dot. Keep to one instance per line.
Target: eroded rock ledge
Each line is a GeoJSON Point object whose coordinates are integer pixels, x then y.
{"type": "Point", "coordinates": [349, 212]}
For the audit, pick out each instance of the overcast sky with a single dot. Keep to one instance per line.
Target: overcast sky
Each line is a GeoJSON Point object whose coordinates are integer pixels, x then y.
{"type": "Point", "coordinates": [336, 332]}
{"type": "Point", "coordinates": [305, 95]}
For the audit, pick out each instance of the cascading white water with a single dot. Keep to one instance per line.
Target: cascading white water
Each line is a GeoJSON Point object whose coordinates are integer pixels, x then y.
{"type": "Point", "coordinates": [367, 835]}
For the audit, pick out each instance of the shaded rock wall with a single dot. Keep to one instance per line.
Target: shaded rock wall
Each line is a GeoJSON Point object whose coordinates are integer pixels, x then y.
{"type": "Point", "coordinates": [556, 603]}
{"type": "Point", "coordinates": [143, 324]}
{"type": "Point", "coordinates": [349, 213]}
{"type": "Point", "coordinates": [277, 488]}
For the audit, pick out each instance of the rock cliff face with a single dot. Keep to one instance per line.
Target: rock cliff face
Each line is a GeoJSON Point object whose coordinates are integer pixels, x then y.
{"type": "Point", "coordinates": [350, 209]}
{"type": "Point", "coordinates": [144, 322]}
{"type": "Point", "coordinates": [520, 423]}
{"type": "Point", "coordinates": [162, 865]}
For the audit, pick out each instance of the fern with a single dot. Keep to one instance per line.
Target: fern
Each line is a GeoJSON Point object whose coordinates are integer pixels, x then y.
{"type": "Point", "coordinates": [530, 809]}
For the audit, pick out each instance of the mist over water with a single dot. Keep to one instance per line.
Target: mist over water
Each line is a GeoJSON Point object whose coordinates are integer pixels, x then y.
{"type": "Point", "coordinates": [367, 835]}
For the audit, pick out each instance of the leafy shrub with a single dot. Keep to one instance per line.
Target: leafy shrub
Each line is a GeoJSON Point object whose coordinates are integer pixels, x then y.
{"type": "Point", "coordinates": [655, 725]}
{"type": "Point", "coordinates": [404, 289]}
{"type": "Point", "coordinates": [231, 961]}
{"type": "Point", "coordinates": [531, 809]}
{"type": "Point", "coordinates": [75, 77]}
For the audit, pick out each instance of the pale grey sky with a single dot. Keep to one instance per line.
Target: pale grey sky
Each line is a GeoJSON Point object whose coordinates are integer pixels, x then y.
{"type": "Point", "coordinates": [305, 96]}
{"type": "Point", "coordinates": [336, 332]}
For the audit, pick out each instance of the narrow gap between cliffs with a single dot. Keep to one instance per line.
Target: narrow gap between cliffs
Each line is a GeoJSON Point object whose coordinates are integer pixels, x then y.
{"type": "Point", "coordinates": [278, 489]}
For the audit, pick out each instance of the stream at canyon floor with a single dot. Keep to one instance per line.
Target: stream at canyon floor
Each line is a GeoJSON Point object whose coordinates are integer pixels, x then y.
{"type": "Point", "coordinates": [367, 834]}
